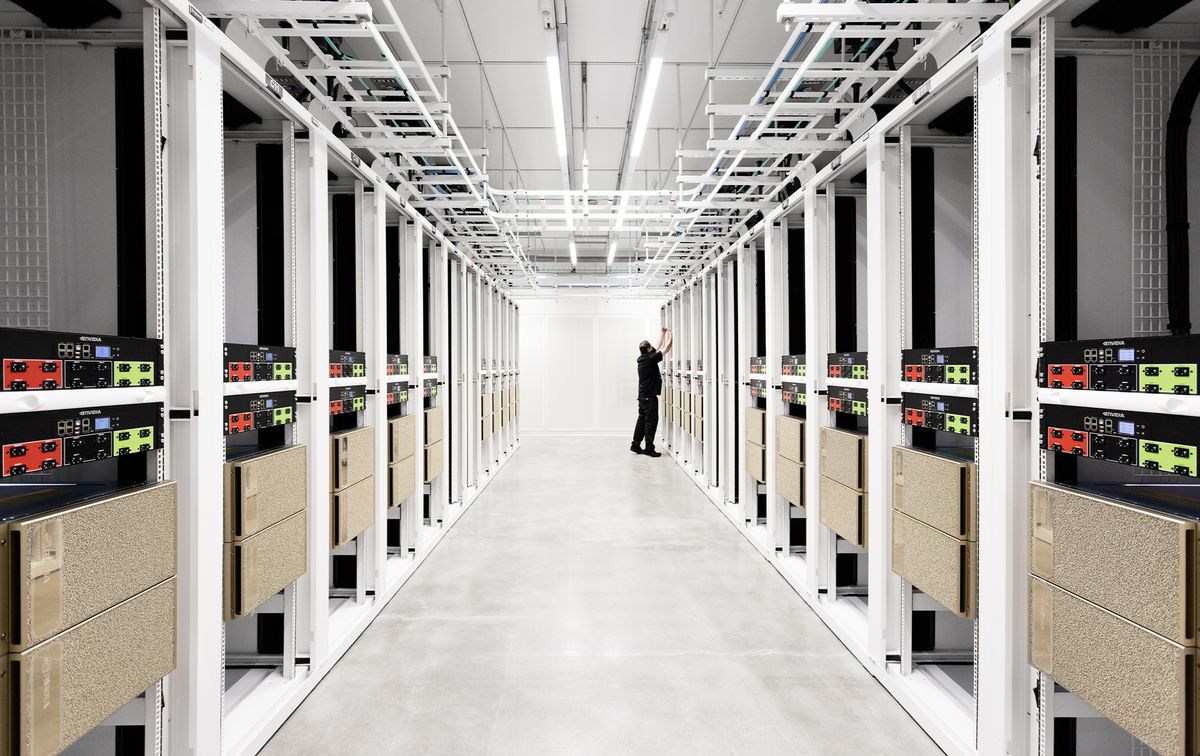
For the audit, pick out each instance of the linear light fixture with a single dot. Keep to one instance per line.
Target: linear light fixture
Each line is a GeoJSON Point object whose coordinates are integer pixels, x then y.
{"type": "Point", "coordinates": [554, 78]}
{"type": "Point", "coordinates": [612, 251]}
{"type": "Point", "coordinates": [574, 254]}
{"type": "Point", "coordinates": [649, 86]}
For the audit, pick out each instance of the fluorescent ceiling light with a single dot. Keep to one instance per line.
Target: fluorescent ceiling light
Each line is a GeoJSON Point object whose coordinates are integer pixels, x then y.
{"type": "Point", "coordinates": [612, 251]}
{"type": "Point", "coordinates": [653, 72]}
{"type": "Point", "coordinates": [574, 256]}
{"type": "Point", "coordinates": [556, 102]}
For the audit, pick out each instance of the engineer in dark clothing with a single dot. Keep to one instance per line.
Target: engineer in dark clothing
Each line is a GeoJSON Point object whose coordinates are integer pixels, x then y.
{"type": "Point", "coordinates": [649, 387]}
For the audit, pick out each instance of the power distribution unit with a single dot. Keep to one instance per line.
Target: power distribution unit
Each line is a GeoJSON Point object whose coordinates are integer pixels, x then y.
{"type": "Point", "coordinates": [263, 564]}
{"type": "Point", "coordinates": [939, 565]}
{"type": "Point", "coordinates": [343, 364]}
{"type": "Point", "coordinates": [941, 365]}
{"type": "Point", "coordinates": [264, 489]}
{"type": "Point", "coordinates": [793, 365]}
{"type": "Point", "coordinates": [847, 365]}
{"type": "Point", "coordinates": [1149, 440]}
{"type": "Point", "coordinates": [248, 412]}
{"type": "Point", "coordinates": [80, 559]}
{"type": "Point", "coordinates": [852, 401]}
{"type": "Point", "coordinates": [1157, 364]}
{"type": "Point", "coordinates": [38, 441]}
{"type": "Point", "coordinates": [936, 489]}
{"type": "Point", "coordinates": [397, 365]}
{"type": "Point", "coordinates": [344, 400]}
{"type": "Point", "coordinates": [62, 688]}
{"type": "Point", "coordinates": [844, 457]}
{"type": "Point", "coordinates": [1137, 560]}
{"type": "Point", "coordinates": [52, 360]}
{"type": "Point", "coordinates": [1140, 680]}
{"type": "Point", "coordinates": [953, 414]}
{"type": "Point", "coordinates": [844, 511]}
{"type": "Point", "coordinates": [254, 362]}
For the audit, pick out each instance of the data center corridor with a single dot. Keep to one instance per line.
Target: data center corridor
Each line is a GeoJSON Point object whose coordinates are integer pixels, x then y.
{"type": "Point", "coordinates": [592, 601]}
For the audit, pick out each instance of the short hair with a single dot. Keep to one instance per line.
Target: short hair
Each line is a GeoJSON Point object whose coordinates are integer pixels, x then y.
{"type": "Point", "coordinates": [643, 345]}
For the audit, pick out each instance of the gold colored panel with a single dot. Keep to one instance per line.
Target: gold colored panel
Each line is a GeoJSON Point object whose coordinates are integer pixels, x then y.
{"type": "Point", "coordinates": [698, 405]}
{"type": "Point", "coordinates": [262, 565]}
{"type": "Point", "coordinates": [433, 425]}
{"type": "Point", "coordinates": [1135, 562]}
{"type": "Point", "coordinates": [402, 437]}
{"type": "Point", "coordinates": [756, 426]}
{"type": "Point", "coordinates": [352, 457]}
{"type": "Point", "coordinates": [756, 462]}
{"type": "Point", "coordinates": [844, 457]}
{"type": "Point", "coordinates": [485, 404]}
{"type": "Point", "coordinates": [433, 461]}
{"type": "Point", "coordinates": [264, 489]}
{"type": "Point", "coordinates": [844, 511]}
{"type": "Point", "coordinates": [941, 566]}
{"type": "Point", "coordinates": [698, 427]}
{"type": "Point", "coordinates": [74, 564]}
{"type": "Point", "coordinates": [352, 510]}
{"type": "Point", "coordinates": [402, 481]}
{"type": "Point", "coordinates": [938, 491]}
{"type": "Point", "coordinates": [789, 437]}
{"type": "Point", "coordinates": [64, 687]}
{"type": "Point", "coordinates": [789, 480]}
{"type": "Point", "coordinates": [1143, 682]}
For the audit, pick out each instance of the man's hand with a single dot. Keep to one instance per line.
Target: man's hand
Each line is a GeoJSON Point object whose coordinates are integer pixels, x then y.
{"type": "Point", "coordinates": [665, 329]}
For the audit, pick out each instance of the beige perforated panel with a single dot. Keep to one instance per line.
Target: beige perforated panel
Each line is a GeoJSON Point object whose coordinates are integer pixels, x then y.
{"type": "Point", "coordinates": [264, 489]}
{"type": "Point", "coordinates": [352, 511]}
{"type": "Point", "coordinates": [789, 480]}
{"type": "Point", "coordinates": [844, 457]}
{"type": "Point", "coordinates": [938, 491]}
{"type": "Point", "coordinates": [941, 566]}
{"type": "Point", "coordinates": [260, 566]}
{"type": "Point", "coordinates": [352, 456]}
{"type": "Point", "coordinates": [402, 436]}
{"type": "Point", "coordinates": [844, 511]}
{"type": "Point", "coordinates": [789, 437]}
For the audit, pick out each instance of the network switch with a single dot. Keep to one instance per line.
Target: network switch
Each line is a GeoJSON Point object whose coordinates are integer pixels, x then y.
{"type": "Point", "coordinates": [249, 412]}
{"type": "Point", "coordinates": [1161, 364]}
{"type": "Point", "coordinates": [429, 388]}
{"type": "Point", "coordinates": [397, 392]}
{"type": "Point", "coordinates": [758, 389]}
{"type": "Point", "coordinates": [849, 400]}
{"type": "Point", "coordinates": [50, 360]}
{"type": "Point", "coordinates": [253, 362]}
{"type": "Point", "coordinates": [795, 393]}
{"type": "Point", "coordinates": [1149, 440]}
{"type": "Point", "coordinates": [793, 365]}
{"type": "Point", "coordinates": [42, 441]}
{"type": "Point", "coordinates": [346, 399]}
{"type": "Point", "coordinates": [847, 365]}
{"type": "Point", "coordinates": [758, 366]}
{"type": "Point", "coordinates": [941, 365]}
{"type": "Point", "coordinates": [430, 365]}
{"type": "Point", "coordinates": [953, 414]}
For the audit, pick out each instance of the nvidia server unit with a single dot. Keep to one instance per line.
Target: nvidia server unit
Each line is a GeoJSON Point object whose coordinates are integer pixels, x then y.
{"type": "Point", "coordinates": [852, 401]}
{"type": "Point", "coordinates": [344, 399]}
{"type": "Point", "coordinates": [848, 365]}
{"type": "Point", "coordinates": [795, 393]}
{"type": "Point", "coordinates": [42, 441]}
{"type": "Point", "coordinates": [793, 365]}
{"type": "Point", "coordinates": [1155, 365]}
{"type": "Point", "coordinates": [1141, 439]}
{"type": "Point", "coordinates": [397, 365]}
{"type": "Point", "coordinates": [257, 411]}
{"type": "Point", "coordinates": [941, 365]}
{"type": "Point", "coordinates": [344, 364]}
{"type": "Point", "coordinates": [253, 362]}
{"type": "Point", "coordinates": [50, 360]}
{"type": "Point", "coordinates": [953, 414]}
{"type": "Point", "coordinates": [758, 366]}
{"type": "Point", "coordinates": [397, 392]}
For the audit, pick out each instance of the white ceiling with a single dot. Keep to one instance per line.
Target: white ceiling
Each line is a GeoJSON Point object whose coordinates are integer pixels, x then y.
{"type": "Point", "coordinates": [514, 101]}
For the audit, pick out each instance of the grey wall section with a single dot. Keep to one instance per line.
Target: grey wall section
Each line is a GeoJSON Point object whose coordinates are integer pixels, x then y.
{"type": "Point", "coordinates": [1106, 197]}
{"type": "Point", "coordinates": [81, 173]}
{"type": "Point", "coordinates": [952, 202]}
{"type": "Point", "coordinates": [860, 271]}
{"type": "Point", "coordinates": [241, 243]}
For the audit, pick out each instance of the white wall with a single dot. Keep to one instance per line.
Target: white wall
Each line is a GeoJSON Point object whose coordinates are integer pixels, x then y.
{"type": "Point", "coordinates": [578, 362]}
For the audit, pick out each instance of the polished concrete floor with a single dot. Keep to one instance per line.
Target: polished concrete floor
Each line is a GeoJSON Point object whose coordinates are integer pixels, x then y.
{"type": "Point", "coordinates": [594, 602]}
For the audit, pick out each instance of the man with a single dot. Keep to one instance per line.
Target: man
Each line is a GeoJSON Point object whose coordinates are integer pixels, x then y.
{"type": "Point", "coordinates": [649, 387]}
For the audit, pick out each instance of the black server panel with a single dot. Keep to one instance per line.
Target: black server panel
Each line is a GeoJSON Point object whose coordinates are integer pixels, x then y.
{"type": "Point", "coordinates": [795, 393]}
{"type": "Point", "coordinates": [793, 365]}
{"type": "Point", "coordinates": [1154, 365]}
{"type": "Point", "coordinates": [343, 364]}
{"type": "Point", "coordinates": [346, 399]}
{"type": "Point", "coordinates": [254, 362]}
{"type": "Point", "coordinates": [847, 365]}
{"type": "Point", "coordinates": [430, 364]}
{"type": "Point", "coordinates": [429, 387]}
{"type": "Point", "coordinates": [1140, 439]}
{"type": "Point", "coordinates": [49, 360]}
{"type": "Point", "coordinates": [397, 392]}
{"type": "Point", "coordinates": [758, 366]}
{"type": "Point", "coordinates": [953, 414]}
{"type": "Point", "coordinates": [941, 365]}
{"type": "Point", "coordinates": [257, 411]}
{"type": "Point", "coordinates": [758, 389]}
{"type": "Point", "coordinates": [37, 441]}
{"type": "Point", "coordinates": [397, 364]}
{"type": "Point", "coordinates": [852, 401]}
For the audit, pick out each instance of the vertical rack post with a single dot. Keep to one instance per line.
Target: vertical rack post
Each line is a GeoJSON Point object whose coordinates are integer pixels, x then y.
{"type": "Point", "coordinates": [375, 238]}
{"type": "Point", "coordinates": [817, 242]}
{"type": "Point", "coordinates": [775, 301]}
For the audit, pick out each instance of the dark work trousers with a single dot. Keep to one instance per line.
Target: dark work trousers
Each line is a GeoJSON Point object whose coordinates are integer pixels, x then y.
{"type": "Point", "coordinates": [647, 421]}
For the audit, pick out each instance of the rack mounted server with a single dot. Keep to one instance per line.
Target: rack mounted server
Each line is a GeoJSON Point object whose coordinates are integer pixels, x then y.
{"type": "Point", "coordinates": [49, 440]}
{"type": "Point", "coordinates": [254, 362]}
{"type": "Point", "coordinates": [52, 360]}
{"type": "Point", "coordinates": [1159, 364]}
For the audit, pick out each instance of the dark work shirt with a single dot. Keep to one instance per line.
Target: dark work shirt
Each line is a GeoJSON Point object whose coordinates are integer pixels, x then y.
{"type": "Point", "coordinates": [649, 379]}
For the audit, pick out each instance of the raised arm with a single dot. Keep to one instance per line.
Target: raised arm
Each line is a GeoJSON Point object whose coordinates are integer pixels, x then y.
{"type": "Point", "coordinates": [661, 335]}
{"type": "Point", "coordinates": [670, 340]}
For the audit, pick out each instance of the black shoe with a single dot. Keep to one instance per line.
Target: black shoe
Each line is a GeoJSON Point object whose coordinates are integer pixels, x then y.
{"type": "Point", "coordinates": [651, 452]}
{"type": "Point", "coordinates": [635, 449]}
